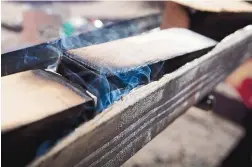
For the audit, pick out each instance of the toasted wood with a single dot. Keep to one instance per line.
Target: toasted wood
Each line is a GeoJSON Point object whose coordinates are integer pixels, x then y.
{"type": "Point", "coordinates": [33, 95]}
{"type": "Point", "coordinates": [126, 54]}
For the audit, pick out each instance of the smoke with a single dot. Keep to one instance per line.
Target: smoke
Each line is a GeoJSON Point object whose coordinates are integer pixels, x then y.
{"type": "Point", "coordinates": [120, 84]}
{"type": "Point", "coordinates": [40, 56]}
{"type": "Point", "coordinates": [26, 59]}
{"type": "Point", "coordinates": [110, 88]}
{"type": "Point", "coordinates": [30, 59]}
{"type": "Point", "coordinates": [107, 87]}
{"type": "Point", "coordinates": [98, 36]}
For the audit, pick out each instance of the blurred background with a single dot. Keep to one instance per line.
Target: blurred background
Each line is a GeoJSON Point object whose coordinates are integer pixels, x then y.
{"type": "Point", "coordinates": [217, 132]}
{"type": "Point", "coordinates": [29, 23]}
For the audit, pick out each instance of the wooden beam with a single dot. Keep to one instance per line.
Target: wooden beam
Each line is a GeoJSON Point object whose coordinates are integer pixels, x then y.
{"type": "Point", "coordinates": [33, 95]}
{"type": "Point", "coordinates": [131, 53]}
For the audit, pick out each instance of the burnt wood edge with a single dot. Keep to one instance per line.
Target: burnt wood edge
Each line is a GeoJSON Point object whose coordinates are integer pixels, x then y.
{"type": "Point", "coordinates": [105, 133]}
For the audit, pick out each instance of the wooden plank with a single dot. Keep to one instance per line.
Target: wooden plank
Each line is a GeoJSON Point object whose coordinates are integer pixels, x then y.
{"type": "Point", "coordinates": [127, 54]}
{"type": "Point", "coordinates": [33, 95]}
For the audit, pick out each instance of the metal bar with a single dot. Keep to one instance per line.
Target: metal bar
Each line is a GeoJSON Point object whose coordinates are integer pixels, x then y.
{"type": "Point", "coordinates": [42, 55]}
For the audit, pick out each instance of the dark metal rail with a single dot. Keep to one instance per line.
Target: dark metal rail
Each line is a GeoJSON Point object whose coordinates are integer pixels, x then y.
{"type": "Point", "coordinates": [45, 54]}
